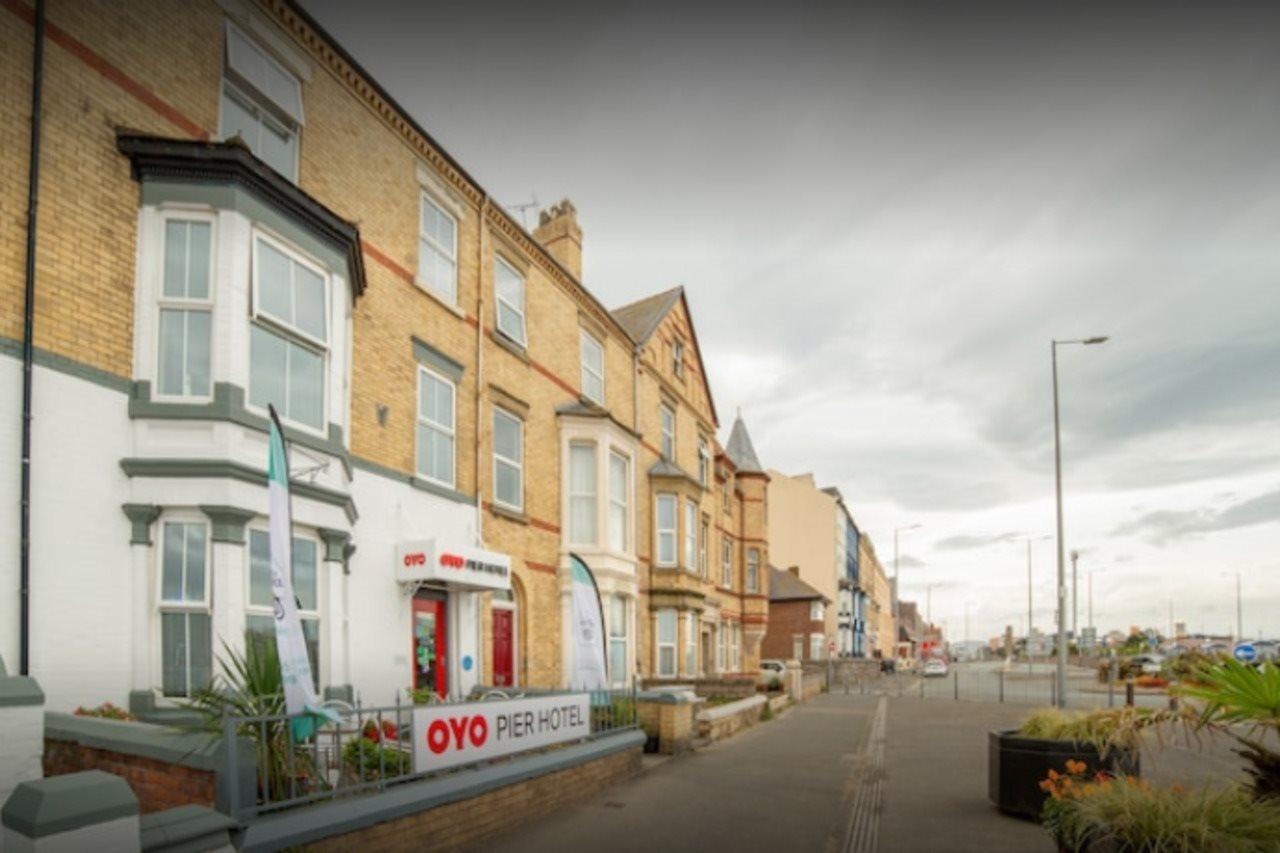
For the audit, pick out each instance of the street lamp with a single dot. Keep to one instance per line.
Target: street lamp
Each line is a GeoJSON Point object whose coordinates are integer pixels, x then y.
{"type": "Point", "coordinates": [1239, 606]}
{"type": "Point", "coordinates": [897, 610]}
{"type": "Point", "coordinates": [1057, 469]}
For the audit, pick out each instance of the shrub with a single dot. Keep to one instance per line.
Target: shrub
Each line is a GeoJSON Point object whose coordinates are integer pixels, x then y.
{"type": "Point", "coordinates": [366, 759]}
{"type": "Point", "coordinates": [1237, 694]}
{"type": "Point", "coordinates": [1106, 729]}
{"type": "Point", "coordinates": [775, 685]}
{"type": "Point", "coordinates": [1150, 681]}
{"type": "Point", "coordinates": [107, 711]}
{"type": "Point", "coordinates": [621, 711]}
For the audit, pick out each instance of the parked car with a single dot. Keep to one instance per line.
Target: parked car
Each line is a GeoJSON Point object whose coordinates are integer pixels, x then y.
{"type": "Point", "coordinates": [771, 669]}
{"type": "Point", "coordinates": [934, 667]}
{"type": "Point", "coordinates": [1150, 664]}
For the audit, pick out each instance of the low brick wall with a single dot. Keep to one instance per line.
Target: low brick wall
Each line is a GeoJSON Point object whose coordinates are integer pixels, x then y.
{"type": "Point", "coordinates": [455, 810]}
{"type": "Point", "coordinates": [706, 687]}
{"type": "Point", "coordinates": [725, 721]}
{"type": "Point", "coordinates": [165, 767]}
{"type": "Point", "coordinates": [158, 785]}
{"type": "Point", "coordinates": [669, 717]}
{"type": "Point", "coordinates": [779, 703]}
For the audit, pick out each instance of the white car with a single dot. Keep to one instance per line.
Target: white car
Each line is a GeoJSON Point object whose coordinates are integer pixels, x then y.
{"type": "Point", "coordinates": [934, 667]}
{"type": "Point", "coordinates": [1150, 663]}
{"type": "Point", "coordinates": [770, 670]}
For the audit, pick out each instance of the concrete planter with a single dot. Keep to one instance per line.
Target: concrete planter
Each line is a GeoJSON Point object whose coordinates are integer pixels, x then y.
{"type": "Point", "coordinates": [1016, 765]}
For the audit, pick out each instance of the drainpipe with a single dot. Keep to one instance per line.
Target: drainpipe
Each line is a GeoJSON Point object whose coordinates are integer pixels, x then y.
{"type": "Point", "coordinates": [28, 347]}
{"type": "Point", "coordinates": [484, 208]}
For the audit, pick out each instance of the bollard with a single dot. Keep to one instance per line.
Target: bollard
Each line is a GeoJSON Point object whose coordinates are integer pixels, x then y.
{"type": "Point", "coordinates": [1053, 692]}
{"type": "Point", "coordinates": [1173, 703]}
{"type": "Point", "coordinates": [922, 688]}
{"type": "Point", "coordinates": [1128, 693]}
{"type": "Point", "coordinates": [1002, 687]}
{"type": "Point", "coordinates": [955, 685]}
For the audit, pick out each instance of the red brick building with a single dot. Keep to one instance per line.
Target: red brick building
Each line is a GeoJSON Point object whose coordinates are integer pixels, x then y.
{"type": "Point", "coordinates": [797, 614]}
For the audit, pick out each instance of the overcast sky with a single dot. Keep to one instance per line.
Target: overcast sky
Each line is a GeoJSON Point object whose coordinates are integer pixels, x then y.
{"type": "Point", "coordinates": [882, 215]}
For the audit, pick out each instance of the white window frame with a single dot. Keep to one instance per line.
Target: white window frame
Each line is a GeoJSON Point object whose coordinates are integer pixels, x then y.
{"type": "Point", "coordinates": [586, 342]}
{"type": "Point", "coordinates": [704, 461]}
{"type": "Point", "coordinates": [690, 536]}
{"type": "Point", "coordinates": [817, 611]}
{"type": "Point", "coordinates": [285, 329]}
{"type": "Point", "coordinates": [690, 643]}
{"type": "Point", "coordinates": [797, 643]}
{"type": "Point", "coordinates": [735, 646]}
{"type": "Point", "coordinates": [183, 605]}
{"type": "Point", "coordinates": [659, 644]}
{"type": "Point", "coordinates": [624, 504]}
{"type": "Point", "coordinates": [450, 252]}
{"type": "Point", "coordinates": [267, 106]}
{"type": "Point", "coordinates": [499, 299]}
{"type": "Point", "coordinates": [753, 570]}
{"type": "Point", "coordinates": [722, 646]}
{"type": "Point", "coordinates": [591, 498]}
{"type": "Point", "coordinates": [664, 533]}
{"type": "Point", "coordinates": [620, 634]}
{"type": "Point", "coordinates": [315, 615]}
{"type": "Point", "coordinates": [704, 545]}
{"type": "Point", "coordinates": [667, 420]}
{"type": "Point", "coordinates": [188, 304]}
{"type": "Point", "coordinates": [726, 562]}
{"type": "Point", "coordinates": [449, 430]}
{"type": "Point", "coordinates": [518, 464]}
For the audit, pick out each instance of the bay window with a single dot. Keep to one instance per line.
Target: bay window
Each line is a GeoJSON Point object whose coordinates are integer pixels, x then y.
{"type": "Point", "coordinates": [508, 459]}
{"type": "Point", "coordinates": [619, 501]}
{"type": "Point", "coordinates": [665, 529]}
{"type": "Point", "coordinates": [665, 642]}
{"type": "Point", "coordinates": [691, 644]}
{"type": "Point", "coordinates": [582, 494]}
{"type": "Point", "coordinates": [260, 618]}
{"type": "Point", "coordinates": [690, 536]}
{"type": "Point", "coordinates": [186, 632]}
{"type": "Point", "coordinates": [289, 334]}
{"type": "Point", "coordinates": [434, 433]}
{"type": "Point", "coordinates": [508, 286]}
{"type": "Point", "coordinates": [261, 103]}
{"type": "Point", "coordinates": [619, 676]}
{"type": "Point", "coordinates": [186, 310]}
{"type": "Point", "coordinates": [667, 416]}
{"type": "Point", "coordinates": [438, 251]}
{"type": "Point", "coordinates": [592, 368]}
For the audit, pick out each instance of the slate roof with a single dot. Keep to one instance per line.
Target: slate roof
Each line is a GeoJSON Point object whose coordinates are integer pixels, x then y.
{"type": "Point", "coordinates": [740, 449]}
{"type": "Point", "coordinates": [784, 586]}
{"type": "Point", "coordinates": [641, 318]}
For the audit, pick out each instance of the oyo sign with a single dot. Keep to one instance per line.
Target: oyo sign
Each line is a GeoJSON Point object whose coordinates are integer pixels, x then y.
{"type": "Point", "coordinates": [461, 565]}
{"type": "Point", "coordinates": [450, 735]}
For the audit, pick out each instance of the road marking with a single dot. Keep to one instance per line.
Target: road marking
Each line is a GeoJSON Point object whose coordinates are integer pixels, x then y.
{"type": "Point", "coordinates": [863, 833]}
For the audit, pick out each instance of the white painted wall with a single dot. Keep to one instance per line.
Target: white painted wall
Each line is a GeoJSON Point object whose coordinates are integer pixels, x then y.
{"type": "Point", "coordinates": [21, 746]}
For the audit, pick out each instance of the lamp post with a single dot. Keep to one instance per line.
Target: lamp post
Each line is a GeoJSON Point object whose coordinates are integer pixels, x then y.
{"type": "Point", "coordinates": [1075, 595]}
{"type": "Point", "coordinates": [1030, 618]}
{"type": "Point", "coordinates": [1057, 470]}
{"type": "Point", "coordinates": [897, 610]}
{"type": "Point", "coordinates": [1239, 606]}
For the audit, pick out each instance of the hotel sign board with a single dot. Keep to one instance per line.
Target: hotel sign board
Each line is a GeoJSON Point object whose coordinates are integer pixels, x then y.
{"type": "Point", "coordinates": [467, 732]}
{"type": "Point", "coordinates": [457, 565]}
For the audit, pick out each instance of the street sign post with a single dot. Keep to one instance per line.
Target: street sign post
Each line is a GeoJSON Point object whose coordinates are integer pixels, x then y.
{"type": "Point", "coordinates": [1245, 652]}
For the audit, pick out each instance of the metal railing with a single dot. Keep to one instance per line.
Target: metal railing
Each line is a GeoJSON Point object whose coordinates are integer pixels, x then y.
{"type": "Point", "coordinates": [370, 749]}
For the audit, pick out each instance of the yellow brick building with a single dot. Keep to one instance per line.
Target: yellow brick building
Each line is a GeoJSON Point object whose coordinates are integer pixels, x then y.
{"type": "Point", "coordinates": [232, 213]}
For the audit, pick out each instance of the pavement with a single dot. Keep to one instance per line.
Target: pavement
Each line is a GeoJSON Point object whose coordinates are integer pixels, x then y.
{"type": "Point", "coordinates": [857, 773]}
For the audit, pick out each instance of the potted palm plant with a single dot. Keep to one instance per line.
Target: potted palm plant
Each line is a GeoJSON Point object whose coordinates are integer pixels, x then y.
{"type": "Point", "coordinates": [1019, 759]}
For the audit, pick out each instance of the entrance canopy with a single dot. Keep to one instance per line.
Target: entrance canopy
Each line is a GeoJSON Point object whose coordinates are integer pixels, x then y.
{"type": "Point", "coordinates": [462, 566]}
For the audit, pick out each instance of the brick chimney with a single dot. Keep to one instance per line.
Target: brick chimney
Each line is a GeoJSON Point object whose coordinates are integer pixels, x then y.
{"type": "Point", "coordinates": [559, 233]}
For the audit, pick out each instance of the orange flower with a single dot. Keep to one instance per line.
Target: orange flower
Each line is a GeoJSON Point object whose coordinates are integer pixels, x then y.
{"type": "Point", "coordinates": [1075, 767]}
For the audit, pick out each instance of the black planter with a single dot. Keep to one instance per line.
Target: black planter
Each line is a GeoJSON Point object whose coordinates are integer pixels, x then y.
{"type": "Point", "coordinates": [1016, 765]}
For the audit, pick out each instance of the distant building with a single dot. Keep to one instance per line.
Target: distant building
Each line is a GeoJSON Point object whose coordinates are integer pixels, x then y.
{"type": "Point", "coordinates": [797, 618]}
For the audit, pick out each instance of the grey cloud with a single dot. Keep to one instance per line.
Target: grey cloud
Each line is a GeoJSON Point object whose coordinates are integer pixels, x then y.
{"type": "Point", "coordinates": [906, 561]}
{"type": "Point", "coordinates": [1164, 526]}
{"type": "Point", "coordinates": [965, 542]}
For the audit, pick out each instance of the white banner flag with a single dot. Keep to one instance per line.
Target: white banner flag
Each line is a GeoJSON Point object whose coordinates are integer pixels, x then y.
{"type": "Point", "coordinates": [587, 624]}
{"type": "Point", "coordinates": [300, 698]}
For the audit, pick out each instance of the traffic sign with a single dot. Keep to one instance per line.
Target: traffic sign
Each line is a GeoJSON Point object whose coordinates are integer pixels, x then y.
{"type": "Point", "coordinates": [1245, 652]}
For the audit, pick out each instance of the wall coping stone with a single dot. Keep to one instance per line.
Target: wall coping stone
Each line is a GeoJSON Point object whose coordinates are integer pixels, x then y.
{"type": "Point", "coordinates": [668, 697]}
{"type": "Point", "coordinates": [730, 708]}
{"type": "Point", "coordinates": [201, 750]}
{"type": "Point", "coordinates": [337, 817]}
{"type": "Point", "coordinates": [187, 828]}
{"type": "Point", "coordinates": [19, 690]}
{"type": "Point", "coordinates": [42, 807]}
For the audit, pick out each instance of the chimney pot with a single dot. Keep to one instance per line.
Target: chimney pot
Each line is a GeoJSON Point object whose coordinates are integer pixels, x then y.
{"type": "Point", "coordinates": [559, 233]}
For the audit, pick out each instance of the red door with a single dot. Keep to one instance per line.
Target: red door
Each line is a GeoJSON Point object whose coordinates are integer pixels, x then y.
{"type": "Point", "coordinates": [430, 670]}
{"type": "Point", "coordinates": [502, 648]}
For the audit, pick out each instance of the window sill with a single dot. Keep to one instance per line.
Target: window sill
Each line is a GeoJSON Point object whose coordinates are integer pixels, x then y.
{"type": "Point", "coordinates": [451, 307]}
{"type": "Point", "coordinates": [520, 351]}
{"type": "Point", "coordinates": [509, 514]}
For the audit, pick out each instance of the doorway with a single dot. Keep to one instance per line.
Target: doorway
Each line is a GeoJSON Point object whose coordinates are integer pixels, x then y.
{"type": "Point", "coordinates": [430, 661]}
{"type": "Point", "coordinates": [503, 647]}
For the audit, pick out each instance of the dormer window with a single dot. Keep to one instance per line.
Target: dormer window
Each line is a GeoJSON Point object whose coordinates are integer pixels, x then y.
{"type": "Point", "coordinates": [261, 103]}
